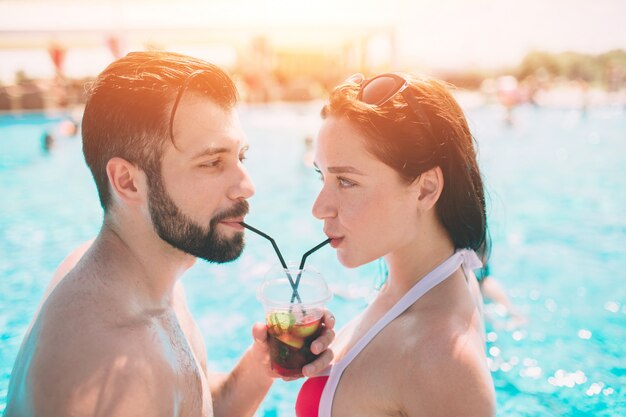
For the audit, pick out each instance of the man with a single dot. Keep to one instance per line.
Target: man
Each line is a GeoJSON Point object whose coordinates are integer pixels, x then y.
{"type": "Point", "coordinates": [114, 336]}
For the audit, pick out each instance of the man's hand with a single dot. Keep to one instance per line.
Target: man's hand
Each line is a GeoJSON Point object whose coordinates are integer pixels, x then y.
{"type": "Point", "coordinates": [318, 347]}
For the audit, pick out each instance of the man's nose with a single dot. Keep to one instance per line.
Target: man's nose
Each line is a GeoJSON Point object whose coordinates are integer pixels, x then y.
{"type": "Point", "coordinates": [243, 188]}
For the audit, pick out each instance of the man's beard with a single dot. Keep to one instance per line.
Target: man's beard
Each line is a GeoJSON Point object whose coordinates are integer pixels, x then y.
{"type": "Point", "coordinates": [184, 234]}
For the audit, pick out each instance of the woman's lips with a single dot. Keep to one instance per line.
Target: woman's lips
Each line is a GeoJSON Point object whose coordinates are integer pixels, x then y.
{"type": "Point", "coordinates": [335, 241]}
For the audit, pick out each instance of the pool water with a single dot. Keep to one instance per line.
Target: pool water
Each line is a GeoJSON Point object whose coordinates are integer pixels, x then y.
{"type": "Point", "coordinates": [556, 184]}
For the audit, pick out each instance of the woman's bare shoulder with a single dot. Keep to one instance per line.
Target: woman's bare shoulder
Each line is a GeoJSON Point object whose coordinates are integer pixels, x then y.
{"type": "Point", "coordinates": [443, 369]}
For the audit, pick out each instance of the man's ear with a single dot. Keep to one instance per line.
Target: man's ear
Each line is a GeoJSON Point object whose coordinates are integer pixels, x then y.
{"type": "Point", "coordinates": [127, 181]}
{"type": "Point", "coordinates": [430, 186]}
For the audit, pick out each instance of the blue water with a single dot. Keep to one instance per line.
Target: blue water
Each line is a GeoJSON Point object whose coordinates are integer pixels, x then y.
{"type": "Point", "coordinates": [556, 182]}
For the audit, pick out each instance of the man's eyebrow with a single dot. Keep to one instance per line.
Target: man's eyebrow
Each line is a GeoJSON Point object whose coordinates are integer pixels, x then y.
{"type": "Point", "coordinates": [210, 151]}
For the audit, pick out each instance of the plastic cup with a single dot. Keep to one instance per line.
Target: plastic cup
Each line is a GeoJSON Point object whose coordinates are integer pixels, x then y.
{"type": "Point", "coordinates": [292, 327]}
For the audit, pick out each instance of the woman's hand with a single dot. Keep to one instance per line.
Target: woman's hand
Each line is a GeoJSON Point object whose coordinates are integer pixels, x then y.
{"type": "Point", "coordinates": [318, 347]}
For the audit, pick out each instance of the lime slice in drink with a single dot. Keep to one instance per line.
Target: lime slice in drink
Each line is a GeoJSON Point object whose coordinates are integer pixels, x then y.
{"type": "Point", "coordinates": [291, 340]}
{"type": "Point", "coordinates": [284, 321]}
{"type": "Point", "coordinates": [310, 325]}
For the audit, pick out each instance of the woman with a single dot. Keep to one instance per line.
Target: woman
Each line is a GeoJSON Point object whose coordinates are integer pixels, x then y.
{"type": "Point", "coordinates": [401, 181]}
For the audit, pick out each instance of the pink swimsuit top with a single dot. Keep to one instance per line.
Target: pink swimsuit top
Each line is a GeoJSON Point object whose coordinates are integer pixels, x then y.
{"type": "Point", "coordinates": [315, 398]}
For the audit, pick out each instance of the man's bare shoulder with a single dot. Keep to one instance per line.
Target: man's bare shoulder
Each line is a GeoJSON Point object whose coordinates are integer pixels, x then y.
{"type": "Point", "coordinates": [102, 375]}
{"type": "Point", "coordinates": [89, 359]}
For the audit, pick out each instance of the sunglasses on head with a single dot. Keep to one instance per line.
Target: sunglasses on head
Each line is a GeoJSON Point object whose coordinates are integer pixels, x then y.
{"type": "Point", "coordinates": [380, 89]}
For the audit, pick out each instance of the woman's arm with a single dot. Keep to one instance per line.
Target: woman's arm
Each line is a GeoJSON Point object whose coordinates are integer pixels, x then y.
{"type": "Point", "coordinates": [240, 392]}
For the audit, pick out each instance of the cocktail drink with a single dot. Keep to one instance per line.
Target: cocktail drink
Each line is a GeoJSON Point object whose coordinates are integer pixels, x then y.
{"type": "Point", "coordinates": [293, 326]}
{"type": "Point", "coordinates": [290, 338]}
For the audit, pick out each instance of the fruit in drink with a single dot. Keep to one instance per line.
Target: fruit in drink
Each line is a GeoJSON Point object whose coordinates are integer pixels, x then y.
{"type": "Point", "coordinates": [290, 336]}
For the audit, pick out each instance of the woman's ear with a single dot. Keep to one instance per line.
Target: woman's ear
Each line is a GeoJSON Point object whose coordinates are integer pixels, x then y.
{"type": "Point", "coordinates": [430, 186]}
{"type": "Point", "coordinates": [127, 181]}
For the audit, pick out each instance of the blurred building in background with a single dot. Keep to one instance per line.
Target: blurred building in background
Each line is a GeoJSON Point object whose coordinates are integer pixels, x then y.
{"type": "Point", "coordinates": [275, 50]}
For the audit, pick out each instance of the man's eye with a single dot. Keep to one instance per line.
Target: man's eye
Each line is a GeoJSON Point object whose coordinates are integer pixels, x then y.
{"type": "Point", "coordinates": [211, 164]}
{"type": "Point", "coordinates": [242, 157]}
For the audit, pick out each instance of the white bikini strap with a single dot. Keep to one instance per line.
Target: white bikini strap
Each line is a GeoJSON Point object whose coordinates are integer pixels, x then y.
{"type": "Point", "coordinates": [464, 257]}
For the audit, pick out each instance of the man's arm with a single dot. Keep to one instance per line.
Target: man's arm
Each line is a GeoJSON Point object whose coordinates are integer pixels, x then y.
{"type": "Point", "coordinates": [240, 393]}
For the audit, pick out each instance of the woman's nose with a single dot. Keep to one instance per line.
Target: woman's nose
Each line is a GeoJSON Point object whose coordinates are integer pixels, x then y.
{"type": "Point", "coordinates": [323, 207]}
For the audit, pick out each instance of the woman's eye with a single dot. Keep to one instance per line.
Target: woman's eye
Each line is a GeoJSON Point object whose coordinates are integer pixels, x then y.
{"type": "Point", "coordinates": [345, 183]}
{"type": "Point", "coordinates": [242, 157]}
{"type": "Point", "coordinates": [319, 173]}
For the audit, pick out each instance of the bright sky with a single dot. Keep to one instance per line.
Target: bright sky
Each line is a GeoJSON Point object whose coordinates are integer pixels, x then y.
{"type": "Point", "coordinates": [499, 32]}
{"type": "Point", "coordinates": [435, 33]}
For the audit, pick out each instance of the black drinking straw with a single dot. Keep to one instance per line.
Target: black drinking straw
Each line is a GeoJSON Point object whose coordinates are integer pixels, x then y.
{"type": "Point", "coordinates": [280, 258]}
{"type": "Point", "coordinates": [310, 251]}
{"type": "Point", "coordinates": [301, 267]}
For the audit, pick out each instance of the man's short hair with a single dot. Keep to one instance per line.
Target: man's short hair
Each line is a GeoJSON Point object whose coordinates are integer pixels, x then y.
{"type": "Point", "coordinates": [130, 105]}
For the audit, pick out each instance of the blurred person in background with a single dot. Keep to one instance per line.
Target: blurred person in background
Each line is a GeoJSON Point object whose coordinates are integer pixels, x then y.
{"type": "Point", "coordinates": [47, 142]}
{"type": "Point", "coordinates": [508, 96]}
{"type": "Point", "coordinates": [400, 181]}
{"type": "Point", "coordinates": [114, 335]}
{"type": "Point", "coordinates": [494, 292]}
